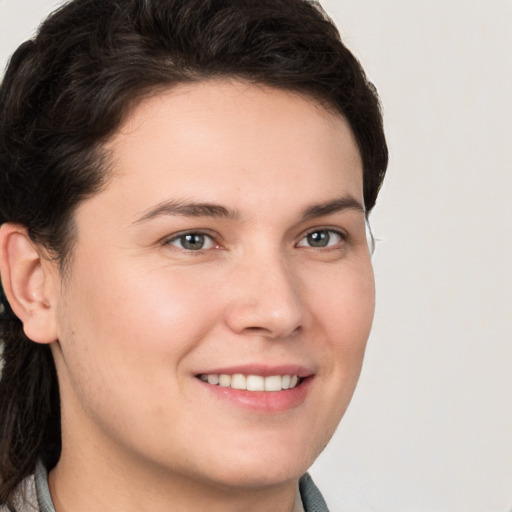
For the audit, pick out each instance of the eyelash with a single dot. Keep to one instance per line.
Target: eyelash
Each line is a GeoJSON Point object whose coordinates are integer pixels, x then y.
{"type": "Point", "coordinates": [198, 233]}
{"type": "Point", "coordinates": [337, 233]}
{"type": "Point", "coordinates": [342, 237]}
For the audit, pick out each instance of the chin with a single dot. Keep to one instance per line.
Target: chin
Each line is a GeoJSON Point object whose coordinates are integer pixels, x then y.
{"type": "Point", "coordinates": [257, 476]}
{"type": "Point", "coordinates": [265, 466]}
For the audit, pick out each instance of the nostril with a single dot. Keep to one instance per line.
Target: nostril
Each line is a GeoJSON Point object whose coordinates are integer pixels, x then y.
{"type": "Point", "coordinates": [272, 333]}
{"type": "Point", "coordinates": [256, 329]}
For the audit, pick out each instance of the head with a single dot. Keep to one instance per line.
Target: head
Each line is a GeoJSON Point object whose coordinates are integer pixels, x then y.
{"type": "Point", "coordinates": [76, 103]}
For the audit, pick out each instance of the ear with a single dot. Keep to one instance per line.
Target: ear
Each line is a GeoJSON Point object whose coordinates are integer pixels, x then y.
{"type": "Point", "coordinates": [29, 283]}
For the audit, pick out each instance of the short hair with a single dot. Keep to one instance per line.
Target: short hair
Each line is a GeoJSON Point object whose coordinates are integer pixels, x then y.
{"type": "Point", "coordinates": [66, 92]}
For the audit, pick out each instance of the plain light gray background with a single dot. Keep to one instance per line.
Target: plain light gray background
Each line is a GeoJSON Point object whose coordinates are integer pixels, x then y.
{"type": "Point", "coordinates": [430, 426]}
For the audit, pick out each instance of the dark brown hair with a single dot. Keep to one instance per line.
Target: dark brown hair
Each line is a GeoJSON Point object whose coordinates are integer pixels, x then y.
{"type": "Point", "coordinates": [66, 91]}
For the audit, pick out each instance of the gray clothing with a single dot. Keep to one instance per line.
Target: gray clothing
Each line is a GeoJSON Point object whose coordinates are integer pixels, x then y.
{"type": "Point", "coordinates": [34, 494]}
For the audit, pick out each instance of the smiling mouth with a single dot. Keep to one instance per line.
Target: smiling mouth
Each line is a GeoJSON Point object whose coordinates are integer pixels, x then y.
{"type": "Point", "coordinates": [256, 383]}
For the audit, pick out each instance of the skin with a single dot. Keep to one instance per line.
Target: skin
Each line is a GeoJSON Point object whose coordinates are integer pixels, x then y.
{"type": "Point", "coordinates": [137, 316]}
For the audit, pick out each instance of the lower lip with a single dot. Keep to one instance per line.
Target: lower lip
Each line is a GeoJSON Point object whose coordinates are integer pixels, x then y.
{"type": "Point", "coordinates": [262, 401]}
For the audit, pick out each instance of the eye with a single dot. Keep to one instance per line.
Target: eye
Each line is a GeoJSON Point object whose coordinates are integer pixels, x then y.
{"type": "Point", "coordinates": [321, 238]}
{"type": "Point", "coordinates": [192, 241]}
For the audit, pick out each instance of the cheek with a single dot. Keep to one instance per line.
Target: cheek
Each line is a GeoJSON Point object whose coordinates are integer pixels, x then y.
{"type": "Point", "coordinates": [344, 302]}
{"type": "Point", "coordinates": [343, 311]}
{"type": "Point", "coordinates": [140, 306]}
{"type": "Point", "coordinates": [134, 326]}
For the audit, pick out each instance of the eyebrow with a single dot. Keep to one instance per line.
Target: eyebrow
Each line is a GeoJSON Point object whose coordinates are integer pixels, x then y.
{"type": "Point", "coordinates": [333, 206]}
{"type": "Point", "coordinates": [189, 209]}
{"type": "Point", "coordinates": [196, 209]}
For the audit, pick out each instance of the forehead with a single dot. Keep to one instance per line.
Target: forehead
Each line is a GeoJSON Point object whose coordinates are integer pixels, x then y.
{"type": "Point", "coordinates": [232, 141]}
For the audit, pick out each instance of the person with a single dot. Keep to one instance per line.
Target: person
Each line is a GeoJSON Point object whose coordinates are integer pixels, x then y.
{"type": "Point", "coordinates": [187, 282]}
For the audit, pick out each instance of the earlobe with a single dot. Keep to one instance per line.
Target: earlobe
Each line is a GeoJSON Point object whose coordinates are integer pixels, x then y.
{"type": "Point", "coordinates": [27, 283]}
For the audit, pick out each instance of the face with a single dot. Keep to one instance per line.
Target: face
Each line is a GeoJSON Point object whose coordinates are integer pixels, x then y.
{"type": "Point", "coordinates": [220, 293]}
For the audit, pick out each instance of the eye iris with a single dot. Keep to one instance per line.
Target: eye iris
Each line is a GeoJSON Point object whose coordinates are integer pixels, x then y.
{"type": "Point", "coordinates": [318, 238]}
{"type": "Point", "coordinates": [192, 241]}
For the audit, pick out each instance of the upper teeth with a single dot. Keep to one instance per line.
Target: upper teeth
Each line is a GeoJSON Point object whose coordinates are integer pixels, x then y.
{"type": "Point", "coordinates": [251, 382]}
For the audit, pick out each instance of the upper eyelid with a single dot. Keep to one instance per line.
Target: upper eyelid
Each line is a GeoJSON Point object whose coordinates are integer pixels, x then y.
{"type": "Point", "coordinates": [343, 233]}
{"type": "Point", "coordinates": [168, 242]}
{"type": "Point", "coordinates": [204, 232]}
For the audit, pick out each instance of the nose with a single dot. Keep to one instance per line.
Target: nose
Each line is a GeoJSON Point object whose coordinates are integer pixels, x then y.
{"type": "Point", "coordinates": [265, 299]}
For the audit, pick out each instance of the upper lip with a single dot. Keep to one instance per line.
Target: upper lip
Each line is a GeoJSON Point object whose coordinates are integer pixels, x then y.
{"type": "Point", "coordinates": [261, 369]}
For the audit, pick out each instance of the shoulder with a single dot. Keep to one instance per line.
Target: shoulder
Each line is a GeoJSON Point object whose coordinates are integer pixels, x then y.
{"type": "Point", "coordinates": [25, 499]}
{"type": "Point", "coordinates": [311, 497]}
